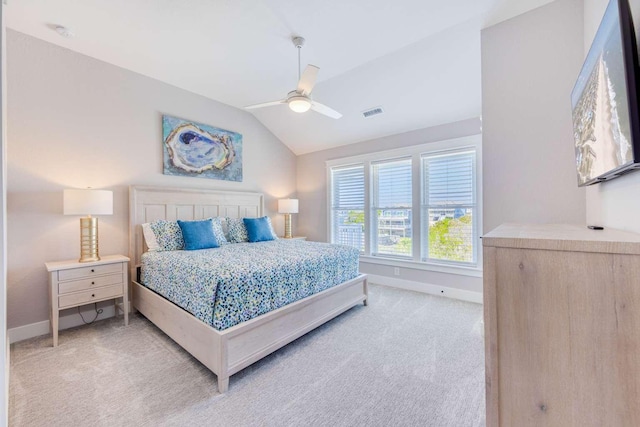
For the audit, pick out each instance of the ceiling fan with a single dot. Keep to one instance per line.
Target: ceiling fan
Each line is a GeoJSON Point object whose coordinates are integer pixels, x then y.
{"type": "Point", "coordinates": [299, 100]}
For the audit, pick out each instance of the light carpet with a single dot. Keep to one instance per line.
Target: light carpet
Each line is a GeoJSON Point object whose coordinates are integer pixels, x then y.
{"type": "Point", "coordinates": [408, 359]}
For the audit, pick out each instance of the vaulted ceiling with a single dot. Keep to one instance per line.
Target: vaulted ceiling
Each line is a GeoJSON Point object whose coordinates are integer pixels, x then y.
{"type": "Point", "coordinates": [418, 59]}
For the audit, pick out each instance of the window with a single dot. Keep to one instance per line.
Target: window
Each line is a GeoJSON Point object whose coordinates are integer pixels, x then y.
{"type": "Point", "coordinates": [391, 207]}
{"type": "Point", "coordinates": [415, 205]}
{"type": "Point", "coordinates": [448, 207]}
{"type": "Point", "coordinates": [347, 206]}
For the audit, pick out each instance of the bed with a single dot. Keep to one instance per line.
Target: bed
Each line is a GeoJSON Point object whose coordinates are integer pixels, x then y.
{"type": "Point", "coordinates": [227, 341]}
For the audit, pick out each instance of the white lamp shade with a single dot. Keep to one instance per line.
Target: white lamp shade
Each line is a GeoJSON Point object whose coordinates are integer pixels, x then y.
{"type": "Point", "coordinates": [288, 206]}
{"type": "Point", "coordinates": [88, 202]}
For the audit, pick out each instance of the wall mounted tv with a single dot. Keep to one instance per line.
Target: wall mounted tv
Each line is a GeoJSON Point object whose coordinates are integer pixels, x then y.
{"type": "Point", "coordinates": [604, 100]}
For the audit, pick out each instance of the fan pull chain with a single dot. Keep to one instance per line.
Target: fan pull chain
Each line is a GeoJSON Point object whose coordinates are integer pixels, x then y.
{"type": "Point", "coordinates": [299, 73]}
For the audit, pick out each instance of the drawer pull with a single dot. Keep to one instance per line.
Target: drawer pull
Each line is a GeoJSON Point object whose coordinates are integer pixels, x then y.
{"type": "Point", "coordinates": [93, 295]}
{"type": "Point", "coordinates": [92, 270]}
{"type": "Point", "coordinates": [93, 283]}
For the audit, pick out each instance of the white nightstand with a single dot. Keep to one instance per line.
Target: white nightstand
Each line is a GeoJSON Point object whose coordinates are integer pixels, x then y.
{"type": "Point", "coordinates": [73, 283]}
{"type": "Point", "coordinates": [294, 238]}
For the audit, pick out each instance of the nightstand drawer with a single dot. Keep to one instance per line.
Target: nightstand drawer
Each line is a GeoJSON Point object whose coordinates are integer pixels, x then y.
{"type": "Point", "coordinates": [90, 283]}
{"type": "Point", "coordinates": [87, 297]}
{"type": "Point", "coordinates": [82, 272]}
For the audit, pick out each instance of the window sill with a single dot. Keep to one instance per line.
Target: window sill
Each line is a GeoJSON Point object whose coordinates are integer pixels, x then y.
{"type": "Point", "coordinates": [462, 271]}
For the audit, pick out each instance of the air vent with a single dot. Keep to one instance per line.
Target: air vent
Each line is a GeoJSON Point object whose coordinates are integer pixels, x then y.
{"type": "Point", "coordinates": [372, 112]}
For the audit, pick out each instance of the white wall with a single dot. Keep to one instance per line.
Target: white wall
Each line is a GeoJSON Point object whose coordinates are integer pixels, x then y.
{"type": "Point", "coordinates": [78, 122]}
{"type": "Point", "coordinates": [615, 203]}
{"type": "Point", "coordinates": [529, 65]}
{"type": "Point", "coordinates": [4, 347]}
{"type": "Point", "coordinates": [312, 193]}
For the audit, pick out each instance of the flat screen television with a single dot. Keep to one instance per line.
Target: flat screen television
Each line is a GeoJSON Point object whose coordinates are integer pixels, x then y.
{"type": "Point", "coordinates": [604, 100]}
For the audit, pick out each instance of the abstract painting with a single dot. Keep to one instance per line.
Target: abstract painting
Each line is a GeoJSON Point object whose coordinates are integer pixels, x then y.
{"type": "Point", "coordinates": [199, 150]}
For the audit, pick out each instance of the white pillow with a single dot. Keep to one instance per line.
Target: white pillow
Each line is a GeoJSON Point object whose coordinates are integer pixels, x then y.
{"type": "Point", "coordinates": [150, 238]}
{"type": "Point", "coordinates": [225, 228]}
{"type": "Point", "coordinates": [218, 225]}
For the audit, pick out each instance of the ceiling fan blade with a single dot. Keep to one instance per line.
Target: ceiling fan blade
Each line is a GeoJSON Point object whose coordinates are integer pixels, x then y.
{"type": "Point", "coordinates": [266, 104]}
{"type": "Point", "coordinates": [308, 79]}
{"type": "Point", "coordinates": [323, 109]}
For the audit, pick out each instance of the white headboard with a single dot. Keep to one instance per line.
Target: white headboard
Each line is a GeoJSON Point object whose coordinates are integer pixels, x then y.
{"type": "Point", "coordinates": [148, 204]}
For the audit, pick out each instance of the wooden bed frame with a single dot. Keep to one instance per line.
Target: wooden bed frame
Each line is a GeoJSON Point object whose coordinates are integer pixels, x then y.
{"type": "Point", "coordinates": [231, 350]}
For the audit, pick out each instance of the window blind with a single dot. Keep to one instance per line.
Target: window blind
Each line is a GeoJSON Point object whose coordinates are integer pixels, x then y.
{"type": "Point", "coordinates": [392, 184]}
{"type": "Point", "coordinates": [448, 179]}
{"type": "Point", "coordinates": [348, 187]}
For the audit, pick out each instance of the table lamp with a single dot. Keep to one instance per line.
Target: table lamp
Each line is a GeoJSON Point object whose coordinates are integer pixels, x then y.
{"type": "Point", "coordinates": [287, 207]}
{"type": "Point", "coordinates": [88, 202]}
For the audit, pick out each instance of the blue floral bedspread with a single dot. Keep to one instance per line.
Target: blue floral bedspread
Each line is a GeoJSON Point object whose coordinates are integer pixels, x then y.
{"type": "Point", "coordinates": [237, 282]}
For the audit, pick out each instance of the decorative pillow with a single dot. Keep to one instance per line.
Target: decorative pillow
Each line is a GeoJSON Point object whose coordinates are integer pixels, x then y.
{"type": "Point", "coordinates": [258, 229]}
{"type": "Point", "coordinates": [198, 234]}
{"type": "Point", "coordinates": [273, 232]}
{"type": "Point", "coordinates": [218, 231]}
{"type": "Point", "coordinates": [225, 228]}
{"type": "Point", "coordinates": [168, 235]}
{"type": "Point", "coordinates": [237, 231]}
{"type": "Point", "coordinates": [150, 238]}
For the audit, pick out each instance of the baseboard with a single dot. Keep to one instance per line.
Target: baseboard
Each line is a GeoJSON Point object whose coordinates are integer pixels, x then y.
{"type": "Point", "coordinates": [72, 320]}
{"type": "Point", "coordinates": [427, 288]}
{"type": "Point", "coordinates": [7, 372]}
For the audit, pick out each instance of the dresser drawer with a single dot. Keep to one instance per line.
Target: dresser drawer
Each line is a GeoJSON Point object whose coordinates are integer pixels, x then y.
{"type": "Point", "coordinates": [87, 297]}
{"type": "Point", "coordinates": [90, 283]}
{"type": "Point", "coordinates": [83, 272]}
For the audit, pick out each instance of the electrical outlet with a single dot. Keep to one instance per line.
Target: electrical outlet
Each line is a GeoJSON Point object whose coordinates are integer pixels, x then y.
{"type": "Point", "coordinates": [396, 271]}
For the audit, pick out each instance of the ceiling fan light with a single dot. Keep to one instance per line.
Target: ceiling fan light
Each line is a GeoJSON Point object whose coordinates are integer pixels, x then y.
{"type": "Point", "coordinates": [299, 104]}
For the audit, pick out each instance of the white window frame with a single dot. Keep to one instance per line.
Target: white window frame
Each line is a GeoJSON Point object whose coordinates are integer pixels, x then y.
{"type": "Point", "coordinates": [415, 152]}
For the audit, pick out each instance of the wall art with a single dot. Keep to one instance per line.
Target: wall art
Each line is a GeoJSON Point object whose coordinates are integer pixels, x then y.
{"type": "Point", "coordinates": [199, 150]}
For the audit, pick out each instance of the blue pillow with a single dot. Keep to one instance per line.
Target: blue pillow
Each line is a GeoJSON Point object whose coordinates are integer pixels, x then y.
{"type": "Point", "coordinates": [198, 234]}
{"type": "Point", "coordinates": [258, 229]}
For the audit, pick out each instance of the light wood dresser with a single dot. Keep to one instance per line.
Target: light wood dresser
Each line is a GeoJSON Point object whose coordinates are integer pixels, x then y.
{"type": "Point", "coordinates": [562, 326]}
{"type": "Point", "coordinates": [72, 284]}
